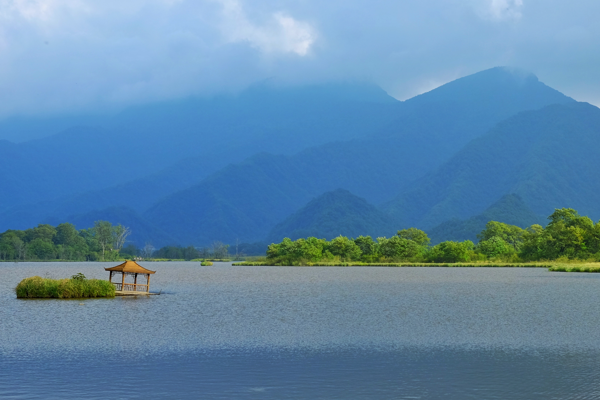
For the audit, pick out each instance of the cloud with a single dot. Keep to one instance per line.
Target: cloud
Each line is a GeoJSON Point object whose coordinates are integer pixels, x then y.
{"type": "Point", "coordinates": [505, 9]}
{"type": "Point", "coordinates": [71, 55]}
{"type": "Point", "coordinates": [281, 34]}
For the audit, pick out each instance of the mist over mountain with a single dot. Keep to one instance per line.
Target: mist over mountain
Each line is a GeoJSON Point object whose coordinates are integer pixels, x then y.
{"type": "Point", "coordinates": [547, 157]}
{"type": "Point", "coordinates": [147, 152]}
{"type": "Point", "coordinates": [510, 209]}
{"type": "Point", "coordinates": [332, 214]}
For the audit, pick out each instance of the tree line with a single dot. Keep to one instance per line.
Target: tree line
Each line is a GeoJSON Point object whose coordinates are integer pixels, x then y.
{"type": "Point", "coordinates": [102, 242]}
{"type": "Point", "coordinates": [567, 235]}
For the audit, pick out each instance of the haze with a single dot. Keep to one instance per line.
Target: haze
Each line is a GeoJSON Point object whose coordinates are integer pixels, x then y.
{"type": "Point", "coordinates": [64, 56]}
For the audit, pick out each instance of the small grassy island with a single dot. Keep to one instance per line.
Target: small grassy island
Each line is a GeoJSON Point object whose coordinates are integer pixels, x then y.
{"type": "Point", "coordinates": [78, 286]}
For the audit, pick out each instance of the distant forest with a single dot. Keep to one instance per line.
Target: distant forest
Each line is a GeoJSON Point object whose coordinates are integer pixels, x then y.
{"type": "Point", "coordinates": [567, 235]}
{"type": "Point", "coordinates": [102, 242]}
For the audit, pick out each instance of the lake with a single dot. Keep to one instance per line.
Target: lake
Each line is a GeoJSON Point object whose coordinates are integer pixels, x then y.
{"type": "Point", "coordinates": [225, 332]}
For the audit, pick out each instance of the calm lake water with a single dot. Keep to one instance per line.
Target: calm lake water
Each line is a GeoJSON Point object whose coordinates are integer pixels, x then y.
{"type": "Point", "coordinates": [306, 333]}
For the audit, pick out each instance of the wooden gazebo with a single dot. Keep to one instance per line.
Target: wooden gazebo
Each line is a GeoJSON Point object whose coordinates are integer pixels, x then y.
{"type": "Point", "coordinates": [134, 270]}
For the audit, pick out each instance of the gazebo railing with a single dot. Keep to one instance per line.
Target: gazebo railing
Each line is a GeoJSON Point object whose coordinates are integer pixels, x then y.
{"type": "Point", "coordinates": [131, 287]}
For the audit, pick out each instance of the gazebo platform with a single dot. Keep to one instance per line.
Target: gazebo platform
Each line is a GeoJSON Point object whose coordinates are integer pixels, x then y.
{"type": "Point", "coordinates": [132, 293]}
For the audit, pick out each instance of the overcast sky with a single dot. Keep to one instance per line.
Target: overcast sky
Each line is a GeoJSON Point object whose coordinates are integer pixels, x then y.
{"type": "Point", "coordinates": [64, 55]}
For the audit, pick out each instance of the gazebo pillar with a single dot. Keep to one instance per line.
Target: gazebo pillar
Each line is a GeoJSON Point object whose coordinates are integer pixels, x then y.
{"type": "Point", "coordinates": [123, 281]}
{"type": "Point", "coordinates": [148, 282]}
{"type": "Point", "coordinates": [135, 282]}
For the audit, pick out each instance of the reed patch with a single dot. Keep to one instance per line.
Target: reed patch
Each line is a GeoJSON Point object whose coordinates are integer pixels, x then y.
{"type": "Point", "coordinates": [76, 287]}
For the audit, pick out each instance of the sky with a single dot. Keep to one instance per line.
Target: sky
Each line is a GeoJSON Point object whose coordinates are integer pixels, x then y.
{"type": "Point", "coordinates": [62, 56]}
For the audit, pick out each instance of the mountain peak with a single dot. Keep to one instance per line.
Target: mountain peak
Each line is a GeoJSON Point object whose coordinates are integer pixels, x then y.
{"type": "Point", "coordinates": [503, 82]}
{"type": "Point", "coordinates": [331, 214]}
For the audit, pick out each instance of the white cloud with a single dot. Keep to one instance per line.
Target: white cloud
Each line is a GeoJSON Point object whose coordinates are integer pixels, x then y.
{"type": "Point", "coordinates": [67, 55]}
{"type": "Point", "coordinates": [280, 34]}
{"type": "Point", "coordinates": [41, 11]}
{"type": "Point", "coordinates": [505, 9]}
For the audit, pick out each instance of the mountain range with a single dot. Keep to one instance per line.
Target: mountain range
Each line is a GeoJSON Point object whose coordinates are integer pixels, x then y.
{"type": "Point", "coordinates": [267, 163]}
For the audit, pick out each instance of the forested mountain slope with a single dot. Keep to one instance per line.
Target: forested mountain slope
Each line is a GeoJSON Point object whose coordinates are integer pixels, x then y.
{"type": "Point", "coordinates": [246, 200]}
{"type": "Point", "coordinates": [148, 152]}
{"type": "Point", "coordinates": [547, 157]}
{"type": "Point", "coordinates": [510, 209]}
{"type": "Point", "coordinates": [332, 214]}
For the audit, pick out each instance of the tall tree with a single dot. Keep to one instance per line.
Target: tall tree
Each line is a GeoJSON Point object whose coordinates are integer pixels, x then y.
{"type": "Point", "coordinates": [120, 236]}
{"type": "Point", "coordinates": [103, 232]}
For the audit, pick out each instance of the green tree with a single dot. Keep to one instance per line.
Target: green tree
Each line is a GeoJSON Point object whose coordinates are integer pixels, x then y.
{"type": "Point", "coordinates": [567, 235]}
{"type": "Point", "coordinates": [398, 248]}
{"type": "Point", "coordinates": [511, 234]}
{"type": "Point", "coordinates": [103, 234]}
{"type": "Point", "coordinates": [367, 245]}
{"type": "Point", "coordinates": [494, 247]}
{"type": "Point", "coordinates": [41, 249]}
{"type": "Point", "coordinates": [110, 239]}
{"type": "Point", "coordinates": [129, 251]}
{"type": "Point", "coordinates": [416, 235]}
{"type": "Point", "coordinates": [20, 248]}
{"type": "Point", "coordinates": [66, 234]}
{"type": "Point", "coordinates": [220, 250]}
{"type": "Point", "coordinates": [344, 248]}
{"type": "Point", "coordinates": [533, 243]}
{"type": "Point", "coordinates": [451, 252]}
{"type": "Point", "coordinates": [7, 248]}
{"type": "Point", "coordinates": [44, 232]}
{"type": "Point", "coordinates": [294, 252]}
{"type": "Point", "coordinates": [569, 218]}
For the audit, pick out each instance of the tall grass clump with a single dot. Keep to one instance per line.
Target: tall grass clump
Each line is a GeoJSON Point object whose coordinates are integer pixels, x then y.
{"type": "Point", "coordinates": [76, 287]}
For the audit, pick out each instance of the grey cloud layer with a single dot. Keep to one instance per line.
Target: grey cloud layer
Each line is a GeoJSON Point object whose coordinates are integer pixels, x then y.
{"type": "Point", "coordinates": [58, 55]}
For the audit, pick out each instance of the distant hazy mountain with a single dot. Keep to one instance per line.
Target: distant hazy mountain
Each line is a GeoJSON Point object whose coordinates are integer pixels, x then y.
{"type": "Point", "coordinates": [148, 152]}
{"type": "Point", "coordinates": [245, 201]}
{"type": "Point", "coordinates": [440, 122]}
{"type": "Point", "coordinates": [547, 157]}
{"type": "Point", "coordinates": [510, 209]}
{"type": "Point", "coordinates": [142, 231]}
{"type": "Point", "coordinates": [23, 128]}
{"type": "Point", "coordinates": [332, 214]}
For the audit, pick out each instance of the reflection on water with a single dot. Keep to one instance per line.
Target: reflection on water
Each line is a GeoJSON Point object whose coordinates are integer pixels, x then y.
{"type": "Point", "coordinates": [265, 332]}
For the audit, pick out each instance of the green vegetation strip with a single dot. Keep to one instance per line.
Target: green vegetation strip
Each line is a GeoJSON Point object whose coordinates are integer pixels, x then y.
{"type": "Point", "coordinates": [77, 287]}
{"type": "Point", "coordinates": [575, 268]}
{"type": "Point", "coordinates": [359, 264]}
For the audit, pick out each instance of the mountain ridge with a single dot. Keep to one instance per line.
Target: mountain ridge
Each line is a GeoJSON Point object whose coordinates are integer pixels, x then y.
{"type": "Point", "coordinates": [375, 168]}
{"type": "Point", "coordinates": [525, 155]}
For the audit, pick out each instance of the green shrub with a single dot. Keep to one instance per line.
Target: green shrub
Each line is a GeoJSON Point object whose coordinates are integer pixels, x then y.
{"type": "Point", "coordinates": [78, 286]}
{"type": "Point", "coordinates": [452, 252]}
{"type": "Point", "coordinates": [206, 263]}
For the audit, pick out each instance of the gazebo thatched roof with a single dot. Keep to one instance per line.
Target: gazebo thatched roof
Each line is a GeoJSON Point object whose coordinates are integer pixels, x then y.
{"type": "Point", "coordinates": [130, 266]}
